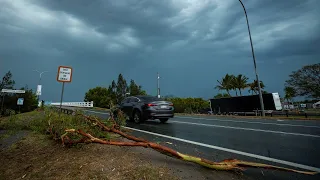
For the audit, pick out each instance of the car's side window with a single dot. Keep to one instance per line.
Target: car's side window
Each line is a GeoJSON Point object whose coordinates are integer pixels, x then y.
{"type": "Point", "coordinates": [134, 99]}
{"type": "Point", "coordinates": [125, 100]}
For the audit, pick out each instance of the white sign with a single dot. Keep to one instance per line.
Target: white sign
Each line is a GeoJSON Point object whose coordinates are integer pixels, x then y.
{"type": "Point", "coordinates": [13, 91]}
{"type": "Point", "coordinates": [64, 74]}
{"type": "Point", "coordinates": [39, 87]}
{"type": "Point", "coordinates": [20, 101]}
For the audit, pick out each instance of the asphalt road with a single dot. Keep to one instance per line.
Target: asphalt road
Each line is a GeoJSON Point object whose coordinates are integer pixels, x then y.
{"type": "Point", "coordinates": [288, 143]}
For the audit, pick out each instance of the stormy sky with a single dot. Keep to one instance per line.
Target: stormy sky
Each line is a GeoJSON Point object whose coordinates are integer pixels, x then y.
{"type": "Point", "coordinates": [191, 43]}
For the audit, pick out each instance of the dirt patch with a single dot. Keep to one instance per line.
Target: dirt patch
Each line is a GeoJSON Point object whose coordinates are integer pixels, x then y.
{"type": "Point", "coordinates": [185, 170]}
{"type": "Point", "coordinates": [8, 138]}
{"type": "Point", "coordinates": [37, 157]}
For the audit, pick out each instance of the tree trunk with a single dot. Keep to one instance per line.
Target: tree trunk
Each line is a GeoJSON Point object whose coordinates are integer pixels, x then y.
{"type": "Point", "coordinates": [228, 92]}
{"type": "Point", "coordinates": [240, 91]}
{"type": "Point", "coordinates": [288, 103]}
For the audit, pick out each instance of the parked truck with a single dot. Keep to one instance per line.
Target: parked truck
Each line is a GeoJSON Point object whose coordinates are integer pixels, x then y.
{"type": "Point", "coordinates": [246, 103]}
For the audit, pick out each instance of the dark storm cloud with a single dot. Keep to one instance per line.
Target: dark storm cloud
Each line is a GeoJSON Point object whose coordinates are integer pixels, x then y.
{"type": "Point", "coordinates": [191, 43]}
{"type": "Point", "coordinates": [146, 17]}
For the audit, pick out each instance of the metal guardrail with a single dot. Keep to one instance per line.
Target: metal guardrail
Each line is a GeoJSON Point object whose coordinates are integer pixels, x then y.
{"type": "Point", "coordinates": [64, 110]}
{"type": "Point", "coordinates": [74, 104]}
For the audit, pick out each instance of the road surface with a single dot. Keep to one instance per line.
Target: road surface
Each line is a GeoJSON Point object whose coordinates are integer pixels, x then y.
{"type": "Point", "coordinates": [288, 143]}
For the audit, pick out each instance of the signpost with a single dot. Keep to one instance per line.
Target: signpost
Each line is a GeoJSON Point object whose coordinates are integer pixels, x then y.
{"type": "Point", "coordinates": [65, 76]}
{"type": "Point", "coordinates": [10, 91]}
{"type": "Point", "coordinates": [20, 102]}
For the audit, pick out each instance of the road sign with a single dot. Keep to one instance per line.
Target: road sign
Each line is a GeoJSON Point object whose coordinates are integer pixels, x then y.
{"type": "Point", "coordinates": [64, 74]}
{"type": "Point", "coordinates": [39, 87]}
{"type": "Point", "coordinates": [20, 101]}
{"type": "Point", "coordinates": [13, 91]}
{"type": "Point", "coordinates": [303, 105]}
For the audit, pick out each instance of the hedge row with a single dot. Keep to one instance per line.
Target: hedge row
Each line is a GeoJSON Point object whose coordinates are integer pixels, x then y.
{"type": "Point", "coordinates": [189, 105]}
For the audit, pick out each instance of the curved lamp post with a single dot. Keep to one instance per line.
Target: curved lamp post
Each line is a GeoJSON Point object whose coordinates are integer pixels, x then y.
{"type": "Point", "coordinates": [40, 74]}
{"type": "Point", "coordinates": [254, 62]}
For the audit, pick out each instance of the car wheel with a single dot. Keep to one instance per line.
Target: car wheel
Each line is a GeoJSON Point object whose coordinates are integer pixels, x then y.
{"type": "Point", "coordinates": [164, 120]}
{"type": "Point", "coordinates": [131, 117]}
{"type": "Point", "coordinates": [137, 117]}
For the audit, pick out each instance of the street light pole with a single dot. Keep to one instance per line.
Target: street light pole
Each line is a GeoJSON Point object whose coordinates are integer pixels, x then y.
{"type": "Point", "coordinates": [40, 74]}
{"type": "Point", "coordinates": [158, 85]}
{"type": "Point", "coordinates": [254, 62]}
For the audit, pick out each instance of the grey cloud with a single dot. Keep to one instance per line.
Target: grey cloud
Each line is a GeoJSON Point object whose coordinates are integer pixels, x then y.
{"type": "Point", "coordinates": [191, 43]}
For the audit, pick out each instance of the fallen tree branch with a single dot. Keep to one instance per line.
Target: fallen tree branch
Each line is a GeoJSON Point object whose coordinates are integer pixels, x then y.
{"type": "Point", "coordinates": [230, 164]}
{"type": "Point", "coordinates": [112, 129]}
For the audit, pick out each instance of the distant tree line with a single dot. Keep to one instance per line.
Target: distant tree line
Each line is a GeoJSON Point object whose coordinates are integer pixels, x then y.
{"type": "Point", "coordinates": [103, 97]}
{"type": "Point", "coordinates": [237, 83]}
{"type": "Point", "coordinates": [118, 90]}
{"type": "Point", "coordinates": [303, 82]}
{"type": "Point", "coordinates": [8, 101]}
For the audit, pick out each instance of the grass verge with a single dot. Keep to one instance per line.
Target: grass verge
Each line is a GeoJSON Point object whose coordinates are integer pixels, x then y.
{"type": "Point", "coordinates": [36, 156]}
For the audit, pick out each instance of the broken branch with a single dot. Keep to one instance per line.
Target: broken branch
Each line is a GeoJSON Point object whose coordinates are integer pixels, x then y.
{"type": "Point", "coordinates": [232, 164]}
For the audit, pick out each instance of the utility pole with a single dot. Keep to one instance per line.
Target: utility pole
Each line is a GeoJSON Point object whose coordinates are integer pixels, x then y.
{"type": "Point", "coordinates": [254, 62]}
{"type": "Point", "coordinates": [158, 85]}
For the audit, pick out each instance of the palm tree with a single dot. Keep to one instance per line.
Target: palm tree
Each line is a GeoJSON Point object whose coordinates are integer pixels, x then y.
{"type": "Point", "coordinates": [234, 84]}
{"type": "Point", "coordinates": [240, 82]}
{"type": "Point", "coordinates": [254, 87]}
{"type": "Point", "coordinates": [225, 83]}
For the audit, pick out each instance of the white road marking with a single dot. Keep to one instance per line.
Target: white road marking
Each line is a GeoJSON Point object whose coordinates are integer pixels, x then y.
{"type": "Point", "coordinates": [239, 121]}
{"type": "Point", "coordinates": [310, 168]}
{"type": "Point", "coordinates": [231, 127]}
{"type": "Point", "coordinates": [248, 129]}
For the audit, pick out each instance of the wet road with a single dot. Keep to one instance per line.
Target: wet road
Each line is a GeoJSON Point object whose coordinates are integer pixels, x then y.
{"type": "Point", "coordinates": [285, 142]}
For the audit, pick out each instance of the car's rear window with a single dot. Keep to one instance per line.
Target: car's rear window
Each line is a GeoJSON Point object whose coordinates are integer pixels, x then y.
{"type": "Point", "coordinates": [150, 98]}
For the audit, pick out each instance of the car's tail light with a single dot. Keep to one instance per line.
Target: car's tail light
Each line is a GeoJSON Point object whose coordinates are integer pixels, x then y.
{"type": "Point", "coordinates": [152, 105]}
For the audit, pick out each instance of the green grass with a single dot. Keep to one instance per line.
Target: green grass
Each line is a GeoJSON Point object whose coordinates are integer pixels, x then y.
{"type": "Point", "coordinates": [43, 121]}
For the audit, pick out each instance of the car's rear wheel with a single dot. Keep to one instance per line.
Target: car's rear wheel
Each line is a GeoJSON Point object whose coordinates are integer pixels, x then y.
{"type": "Point", "coordinates": [164, 120]}
{"type": "Point", "coordinates": [137, 117]}
{"type": "Point", "coordinates": [131, 118]}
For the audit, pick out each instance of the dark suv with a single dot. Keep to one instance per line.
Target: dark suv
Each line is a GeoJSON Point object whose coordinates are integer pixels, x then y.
{"type": "Point", "coordinates": [140, 108]}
